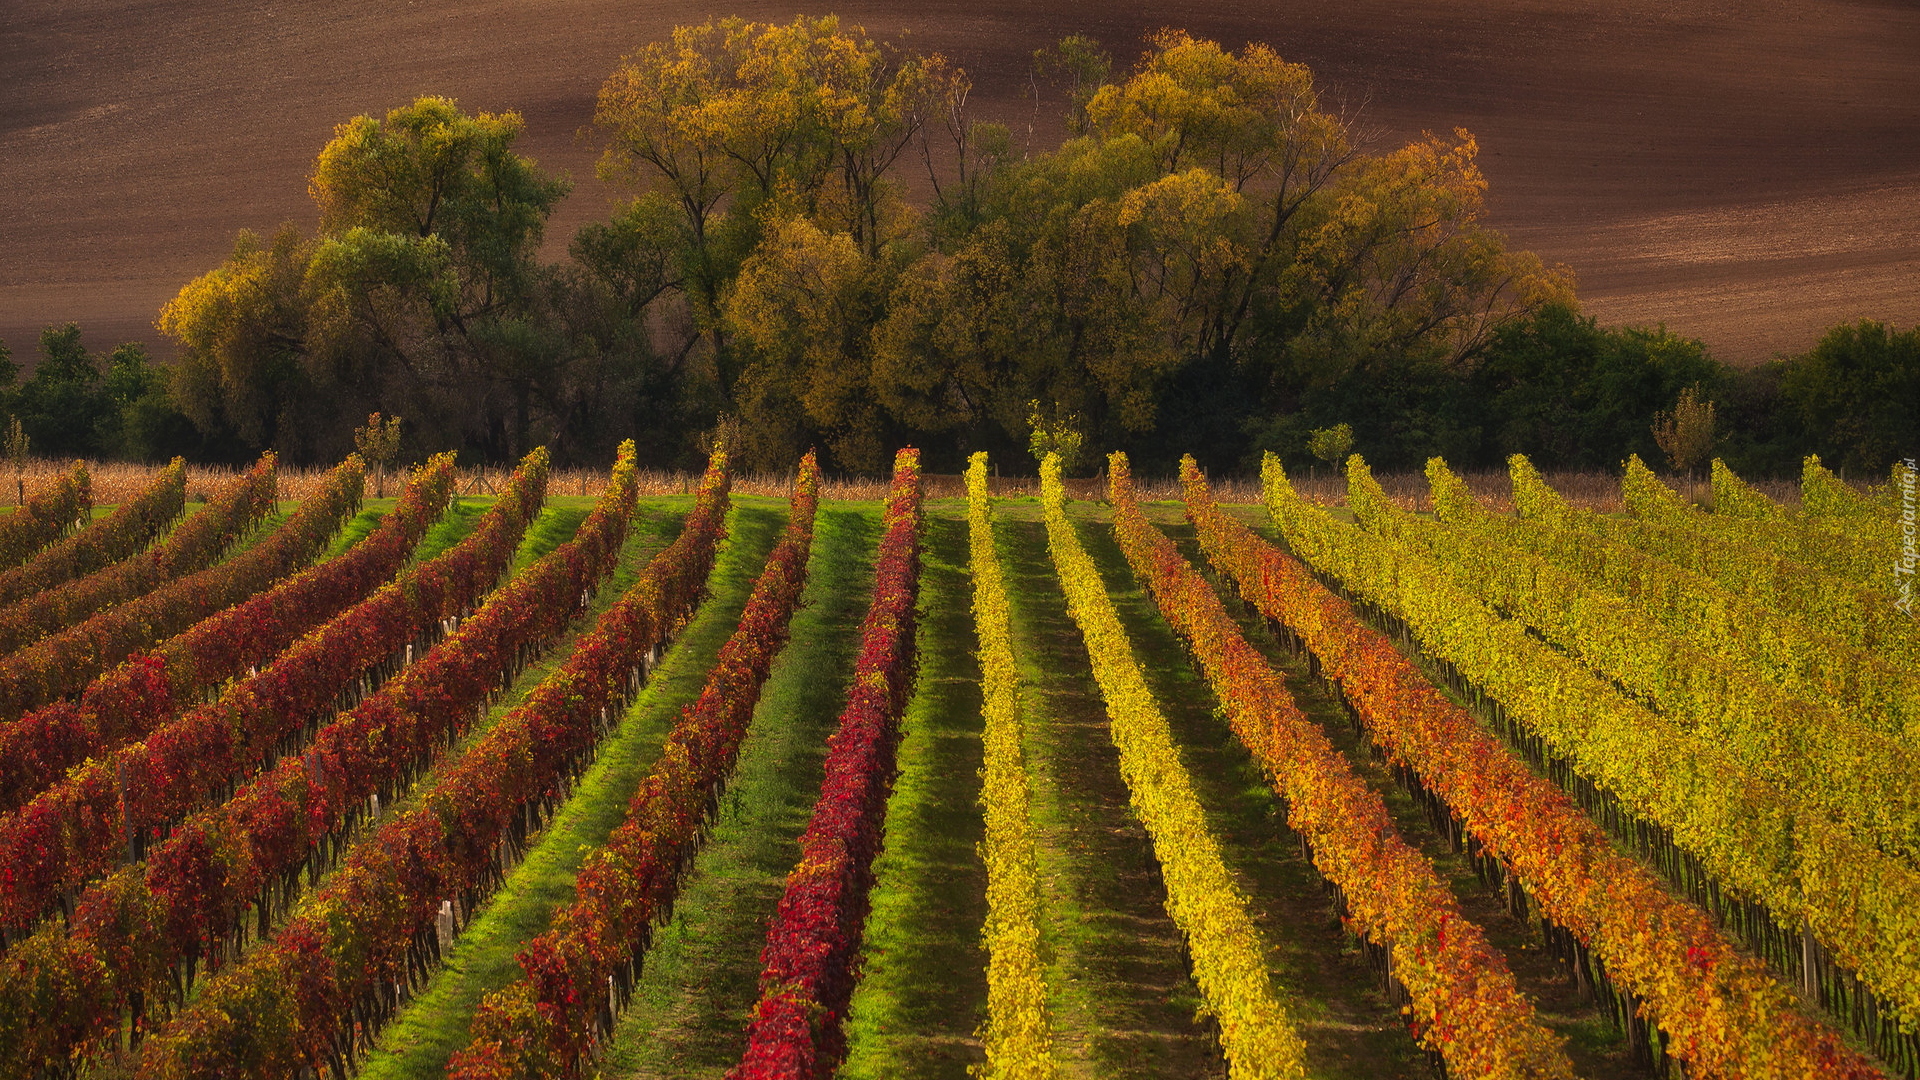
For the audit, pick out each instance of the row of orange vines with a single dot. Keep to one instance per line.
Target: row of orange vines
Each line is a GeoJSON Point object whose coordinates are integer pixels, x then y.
{"type": "Point", "coordinates": [1727, 1017]}
{"type": "Point", "coordinates": [47, 516]}
{"type": "Point", "coordinates": [1257, 1034]}
{"type": "Point", "coordinates": [120, 535]}
{"type": "Point", "coordinates": [1467, 1005]}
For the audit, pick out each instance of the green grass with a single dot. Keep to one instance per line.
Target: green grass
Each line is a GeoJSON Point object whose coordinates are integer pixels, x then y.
{"type": "Point", "coordinates": [454, 526]}
{"type": "Point", "coordinates": [1598, 1049]}
{"type": "Point", "coordinates": [555, 526]}
{"type": "Point", "coordinates": [437, 1021]}
{"type": "Point", "coordinates": [357, 528]}
{"type": "Point", "coordinates": [1339, 1004]}
{"type": "Point", "coordinates": [700, 980]}
{"type": "Point", "coordinates": [654, 528]}
{"type": "Point", "coordinates": [1122, 1003]}
{"type": "Point", "coordinates": [923, 992]}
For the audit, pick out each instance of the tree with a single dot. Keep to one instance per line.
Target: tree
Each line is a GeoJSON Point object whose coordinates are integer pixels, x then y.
{"type": "Point", "coordinates": [420, 288]}
{"type": "Point", "coordinates": [1331, 444]}
{"type": "Point", "coordinates": [1685, 435]}
{"type": "Point", "coordinates": [18, 446]}
{"type": "Point", "coordinates": [745, 128]}
{"type": "Point", "coordinates": [1858, 394]}
{"type": "Point", "coordinates": [1210, 262]}
{"type": "Point", "coordinates": [242, 331]}
{"type": "Point", "coordinates": [1209, 252]}
{"type": "Point", "coordinates": [1568, 393]}
{"type": "Point", "coordinates": [378, 443]}
{"type": "Point", "coordinates": [1054, 433]}
{"type": "Point", "coordinates": [64, 405]}
{"type": "Point", "coordinates": [803, 306]}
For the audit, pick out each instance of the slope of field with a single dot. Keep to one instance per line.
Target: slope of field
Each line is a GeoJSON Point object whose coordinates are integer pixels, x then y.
{"type": "Point", "coordinates": [1695, 161]}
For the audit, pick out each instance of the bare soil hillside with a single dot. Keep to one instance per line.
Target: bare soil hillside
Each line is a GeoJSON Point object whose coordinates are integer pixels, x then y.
{"type": "Point", "coordinates": [1746, 171]}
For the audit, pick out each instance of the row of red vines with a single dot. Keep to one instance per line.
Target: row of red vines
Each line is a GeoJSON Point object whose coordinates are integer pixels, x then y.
{"type": "Point", "coordinates": [196, 544]}
{"type": "Point", "coordinates": [47, 516]}
{"type": "Point", "coordinates": [1726, 1016]}
{"type": "Point", "coordinates": [140, 934]}
{"type": "Point", "coordinates": [580, 972]}
{"type": "Point", "coordinates": [109, 807]}
{"type": "Point", "coordinates": [122, 534]}
{"type": "Point", "coordinates": [808, 971]}
{"type": "Point", "coordinates": [317, 992]}
{"type": "Point", "coordinates": [1466, 1004]}
{"type": "Point", "coordinates": [141, 694]}
{"type": "Point", "coordinates": [68, 661]}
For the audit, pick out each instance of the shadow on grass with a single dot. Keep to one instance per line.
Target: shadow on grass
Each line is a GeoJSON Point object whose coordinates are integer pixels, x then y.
{"type": "Point", "coordinates": [924, 988]}
{"type": "Point", "coordinates": [1123, 1003]}
{"type": "Point", "coordinates": [1337, 1001]}
{"type": "Point", "coordinates": [1597, 1048]}
{"type": "Point", "coordinates": [483, 958]}
{"type": "Point", "coordinates": [701, 976]}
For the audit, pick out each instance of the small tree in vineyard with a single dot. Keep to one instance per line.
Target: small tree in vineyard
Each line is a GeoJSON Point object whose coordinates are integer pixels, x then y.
{"type": "Point", "coordinates": [378, 442]}
{"type": "Point", "coordinates": [17, 446]}
{"type": "Point", "coordinates": [1055, 434]}
{"type": "Point", "coordinates": [1685, 435]}
{"type": "Point", "coordinates": [1330, 444]}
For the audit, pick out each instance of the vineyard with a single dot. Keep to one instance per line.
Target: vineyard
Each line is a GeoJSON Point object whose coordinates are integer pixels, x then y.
{"type": "Point", "coordinates": [504, 777]}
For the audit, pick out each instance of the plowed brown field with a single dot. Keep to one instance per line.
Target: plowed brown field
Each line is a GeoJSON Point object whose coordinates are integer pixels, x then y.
{"type": "Point", "coordinates": [1748, 172]}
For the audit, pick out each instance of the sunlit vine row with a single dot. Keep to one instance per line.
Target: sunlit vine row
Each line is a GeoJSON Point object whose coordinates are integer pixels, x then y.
{"type": "Point", "coordinates": [1840, 607]}
{"type": "Point", "coordinates": [107, 809]}
{"type": "Point", "coordinates": [123, 533]}
{"type": "Point", "coordinates": [1858, 547]}
{"type": "Point", "coordinates": [1857, 775]}
{"type": "Point", "coordinates": [1466, 1004]}
{"type": "Point", "coordinates": [138, 696]}
{"type": "Point", "coordinates": [197, 543]}
{"type": "Point", "coordinates": [1229, 965]}
{"type": "Point", "coordinates": [1018, 1034]}
{"type": "Point", "coordinates": [1725, 1013]}
{"type": "Point", "coordinates": [1784, 649]}
{"type": "Point", "coordinates": [56, 508]}
{"type": "Point", "coordinates": [67, 661]}
{"type": "Point", "coordinates": [1862, 903]}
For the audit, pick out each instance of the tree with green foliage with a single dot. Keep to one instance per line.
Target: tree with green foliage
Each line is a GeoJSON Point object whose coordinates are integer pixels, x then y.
{"type": "Point", "coordinates": [1857, 393]}
{"type": "Point", "coordinates": [1570, 394]}
{"type": "Point", "coordinates": [1331, 444]}
{"type": "Point", "coordinates": [420, 289]}
{"type": "Point", "coordinates": [1685, 435]}
{"type": "Point", "coordinates": [73, 406]}
{"type": "Point", "coordinates": [64, 406]}
{"type": "Point", "coordinates": [378, 443]}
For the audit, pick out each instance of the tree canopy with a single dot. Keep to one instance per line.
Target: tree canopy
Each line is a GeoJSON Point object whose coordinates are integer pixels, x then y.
{"type": "Point", "coordinates": [824, 245]}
